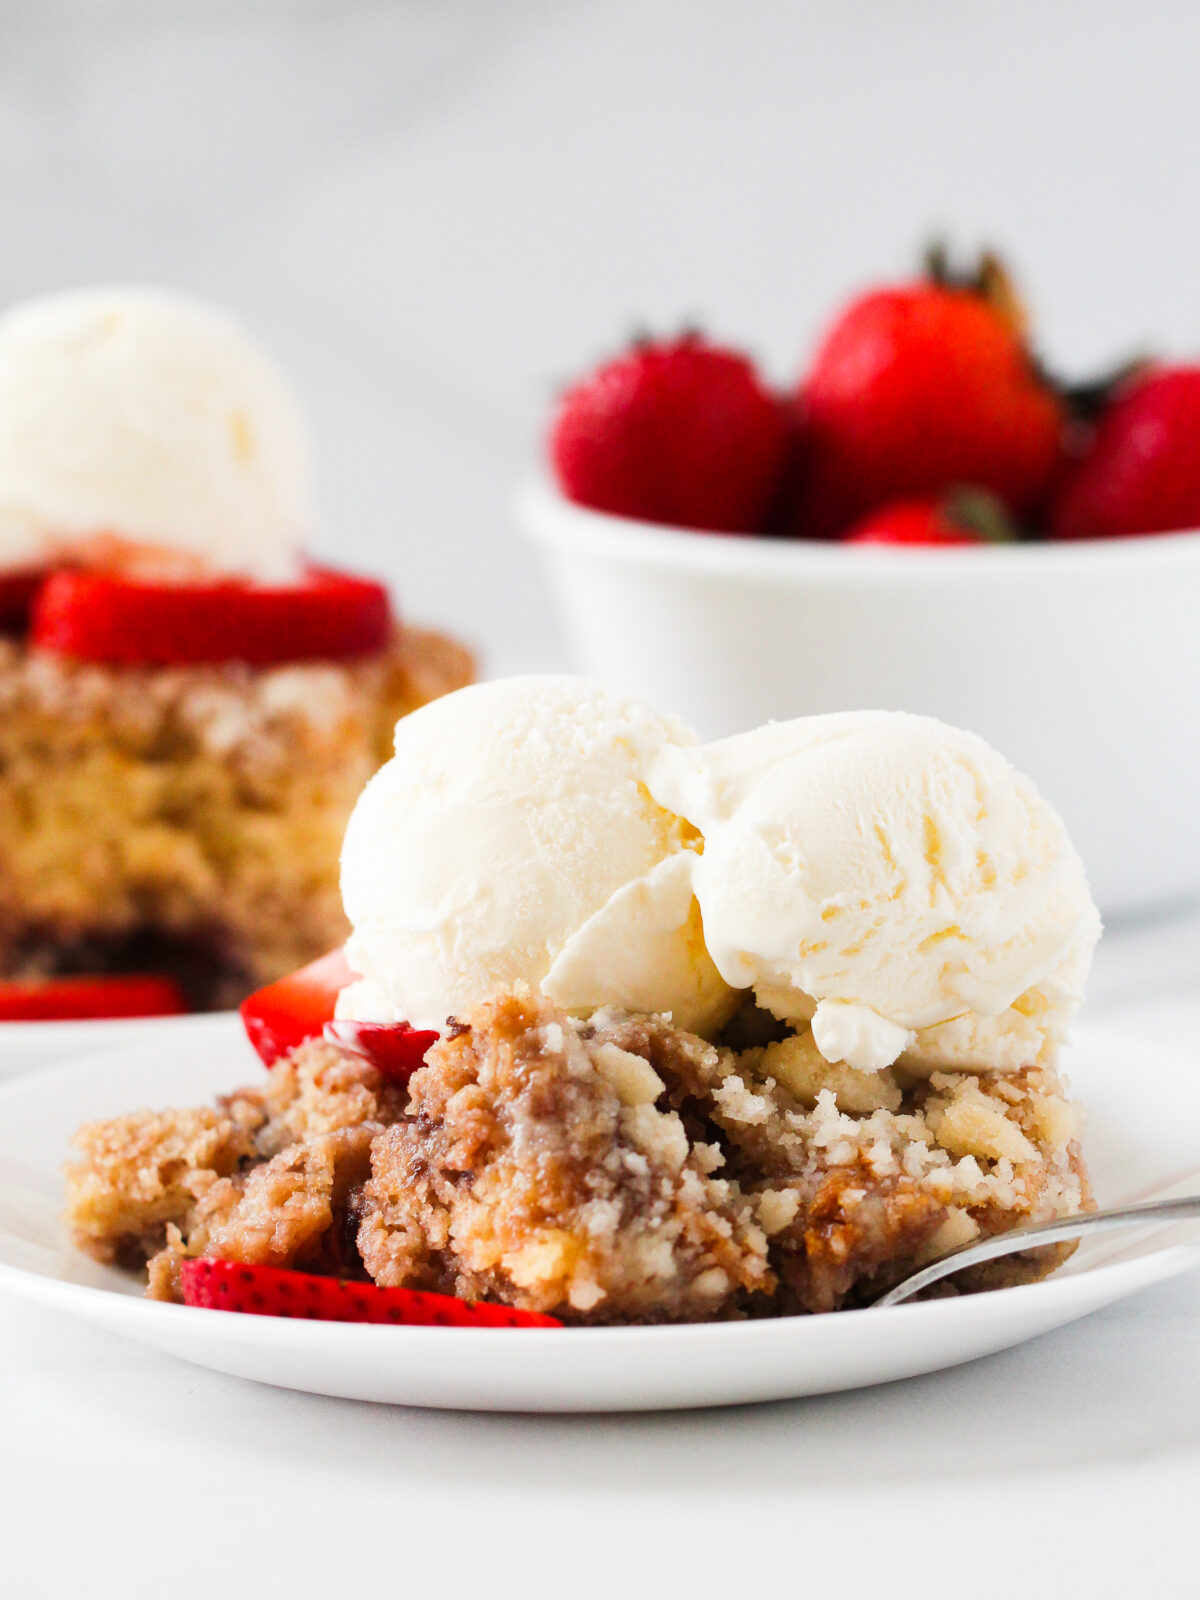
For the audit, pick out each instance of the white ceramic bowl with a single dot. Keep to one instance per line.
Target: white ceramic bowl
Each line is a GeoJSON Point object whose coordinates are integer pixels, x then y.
{"type": "Point", "coordinates": [1079, 661]}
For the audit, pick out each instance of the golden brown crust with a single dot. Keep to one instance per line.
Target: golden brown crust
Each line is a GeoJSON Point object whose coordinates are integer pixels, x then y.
{"type": "Point", "coordinates": [536, 1169]}
{"type": "Point", "coordinates": [138, 1173]}
{"type": "Point", "coordinates": [263, 1177]}
{"type": "Point", "coordinates": [315, 1090]}
{"type": "Point", "coordinates": [287, 1212]}
{"type": "Point", "coordinates": [423, 666]}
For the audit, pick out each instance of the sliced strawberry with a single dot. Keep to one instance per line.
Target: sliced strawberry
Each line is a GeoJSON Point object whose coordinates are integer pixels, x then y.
{"type": "Point", "coordinates": [17, 591]}
{"type": "Point", "coordinates": [98, 616]}
{"type": "Point", "coordinates": [295, 1008]}
{"type": "Point", "coordinates": [279, 1292]}
{"type": "Point", "coordinates": [396, 1049]}
{"type": "Point", "coordinates": [75, 999]}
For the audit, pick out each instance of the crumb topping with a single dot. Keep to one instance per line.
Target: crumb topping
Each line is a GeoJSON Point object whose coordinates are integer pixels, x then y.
{"type": "Point", "coordinates": [198, 805]}
{"type": "Point", "coordinates": [617, 1169]}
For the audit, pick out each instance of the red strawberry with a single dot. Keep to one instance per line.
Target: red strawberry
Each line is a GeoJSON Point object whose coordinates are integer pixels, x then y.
{"type": "Point", "coordinates": [680, 432]}
{"type": "Point", "coordinates": [962, 519]}
{"type": "Point", "coordinates": [17, 591]}
{"type": "Point", "coordinates": [99, 616]}
{"type": "Point", "coordinates": [278, 1292]}
{"type": "Point", "coordinates": [295, 1008]}
{"type": "Point", "coordinates": [1141, 473]}
{"type": "Point", "coordinates": [396, 1049]}
{"type": "Point", "coordinates": [916, 389]}
{"type": "Point", "coordinates": [76, 999]}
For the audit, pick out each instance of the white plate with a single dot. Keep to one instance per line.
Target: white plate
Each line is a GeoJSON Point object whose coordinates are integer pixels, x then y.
{"type": "Point", "coordinates": [1136, 1149]}
{"type": "Point", "coordinates": [35, 1044]}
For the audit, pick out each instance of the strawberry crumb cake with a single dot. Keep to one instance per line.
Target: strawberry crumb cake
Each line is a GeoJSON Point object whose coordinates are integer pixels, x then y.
{"type": "Point", "coordinates": [188, 709]}
{"type": "Point", "coordinates": [635, 1029]}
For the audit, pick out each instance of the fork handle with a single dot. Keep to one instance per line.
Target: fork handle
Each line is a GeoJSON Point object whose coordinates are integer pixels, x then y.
{"type": "Point", "coordinates": [1039, 1233]}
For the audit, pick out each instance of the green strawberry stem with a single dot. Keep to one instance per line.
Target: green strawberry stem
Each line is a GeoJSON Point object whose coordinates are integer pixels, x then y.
{"type": "Point", "coordinates": [982, 513]}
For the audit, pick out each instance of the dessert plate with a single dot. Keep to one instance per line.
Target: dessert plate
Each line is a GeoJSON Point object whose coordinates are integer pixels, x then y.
{"type": "Point", "coordinates": [36, 1044]}
{"type": "Point", "coordinates": [1135, 1154]}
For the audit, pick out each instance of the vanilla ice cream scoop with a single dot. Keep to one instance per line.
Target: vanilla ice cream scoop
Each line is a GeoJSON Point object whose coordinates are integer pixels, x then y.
{"type": "Point", "coordinates": [512, 840]}
{"type": "Point", "coordinates": [139, 425]}
{"type": "Point", "coordinates": [891, 880]}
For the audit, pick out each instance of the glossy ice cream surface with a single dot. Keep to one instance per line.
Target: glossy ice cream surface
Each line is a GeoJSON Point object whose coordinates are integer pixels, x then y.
{"type": "Point", "coordinates": [512, 840]}
{"type": "Point", "coordinates": [894, 881]}
{"type": "Point", "coordinates": [138, 427]}
{"type": "Point", "coordinates": [887, 879]}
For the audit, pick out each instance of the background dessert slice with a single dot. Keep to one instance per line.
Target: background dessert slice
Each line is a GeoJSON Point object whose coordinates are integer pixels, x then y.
{"type": "Point", "coordinates": [189, 818]}
{"type": "Point", "coordinates": [188, 710]}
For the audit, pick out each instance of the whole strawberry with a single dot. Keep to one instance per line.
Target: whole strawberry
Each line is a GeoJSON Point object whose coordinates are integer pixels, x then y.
{"type": "Point", "coordinates": [918, 388]}
{"type": "Point", "coordinates": [970, 517]}
{"type": "Point", "coordinates": [1141, 473]}
{"type": "Point", "coordinates": [680, 432]}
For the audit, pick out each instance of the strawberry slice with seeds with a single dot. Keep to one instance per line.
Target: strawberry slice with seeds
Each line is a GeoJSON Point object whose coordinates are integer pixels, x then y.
{"type": "Point", "coordinates": [101, 616]}
{"type": "Point", "coordinates": [80, 999]}
{"type": "Point", "coordinates": [396, 1049]}
{"type": "Point", "coordinates": [280, 1292]}
{"type": "Point", "coordinates": [295, 1008]}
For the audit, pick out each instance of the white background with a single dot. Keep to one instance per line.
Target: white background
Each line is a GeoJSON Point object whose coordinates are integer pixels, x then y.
{"type": "Point", "coordinates": [435, 212]}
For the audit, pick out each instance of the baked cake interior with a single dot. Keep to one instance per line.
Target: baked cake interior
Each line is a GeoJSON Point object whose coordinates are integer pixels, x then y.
{"type": "Point", "coordinates": [617, 1169]}
{"type": "Point", "coordinates": [188, 819]}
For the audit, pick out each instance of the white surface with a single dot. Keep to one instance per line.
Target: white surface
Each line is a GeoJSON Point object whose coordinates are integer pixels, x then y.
{"type": "Point", "coordinates": [434, 212]}
{"type": "Point", "coordinates": [1022, 644]}
{"type": "Point", "coordinates": [1132, 1158]}
{"type": "Point", "coordinates": [31, 1044]}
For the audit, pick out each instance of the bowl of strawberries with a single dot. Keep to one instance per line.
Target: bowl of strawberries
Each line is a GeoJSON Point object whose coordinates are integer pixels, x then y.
{"type": "Point", "coordinates": [928, 522]}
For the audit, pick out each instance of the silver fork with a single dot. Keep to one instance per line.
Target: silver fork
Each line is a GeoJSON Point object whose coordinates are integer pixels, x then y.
{"type": "Point", "coordinates": [1038, 1233]}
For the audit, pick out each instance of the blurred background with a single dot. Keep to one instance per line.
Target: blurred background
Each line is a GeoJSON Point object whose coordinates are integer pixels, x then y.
{"type": "Point", "coordinates": [436, 210]}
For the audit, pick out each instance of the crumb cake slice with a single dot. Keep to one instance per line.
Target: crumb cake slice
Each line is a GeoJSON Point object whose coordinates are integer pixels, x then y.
{"type": "Point", "coordinates": [190, 703]}
{"type": "Point", "coordinates": [617, 1169]}
{"type": "Point", "coordinates": [189, 817]}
